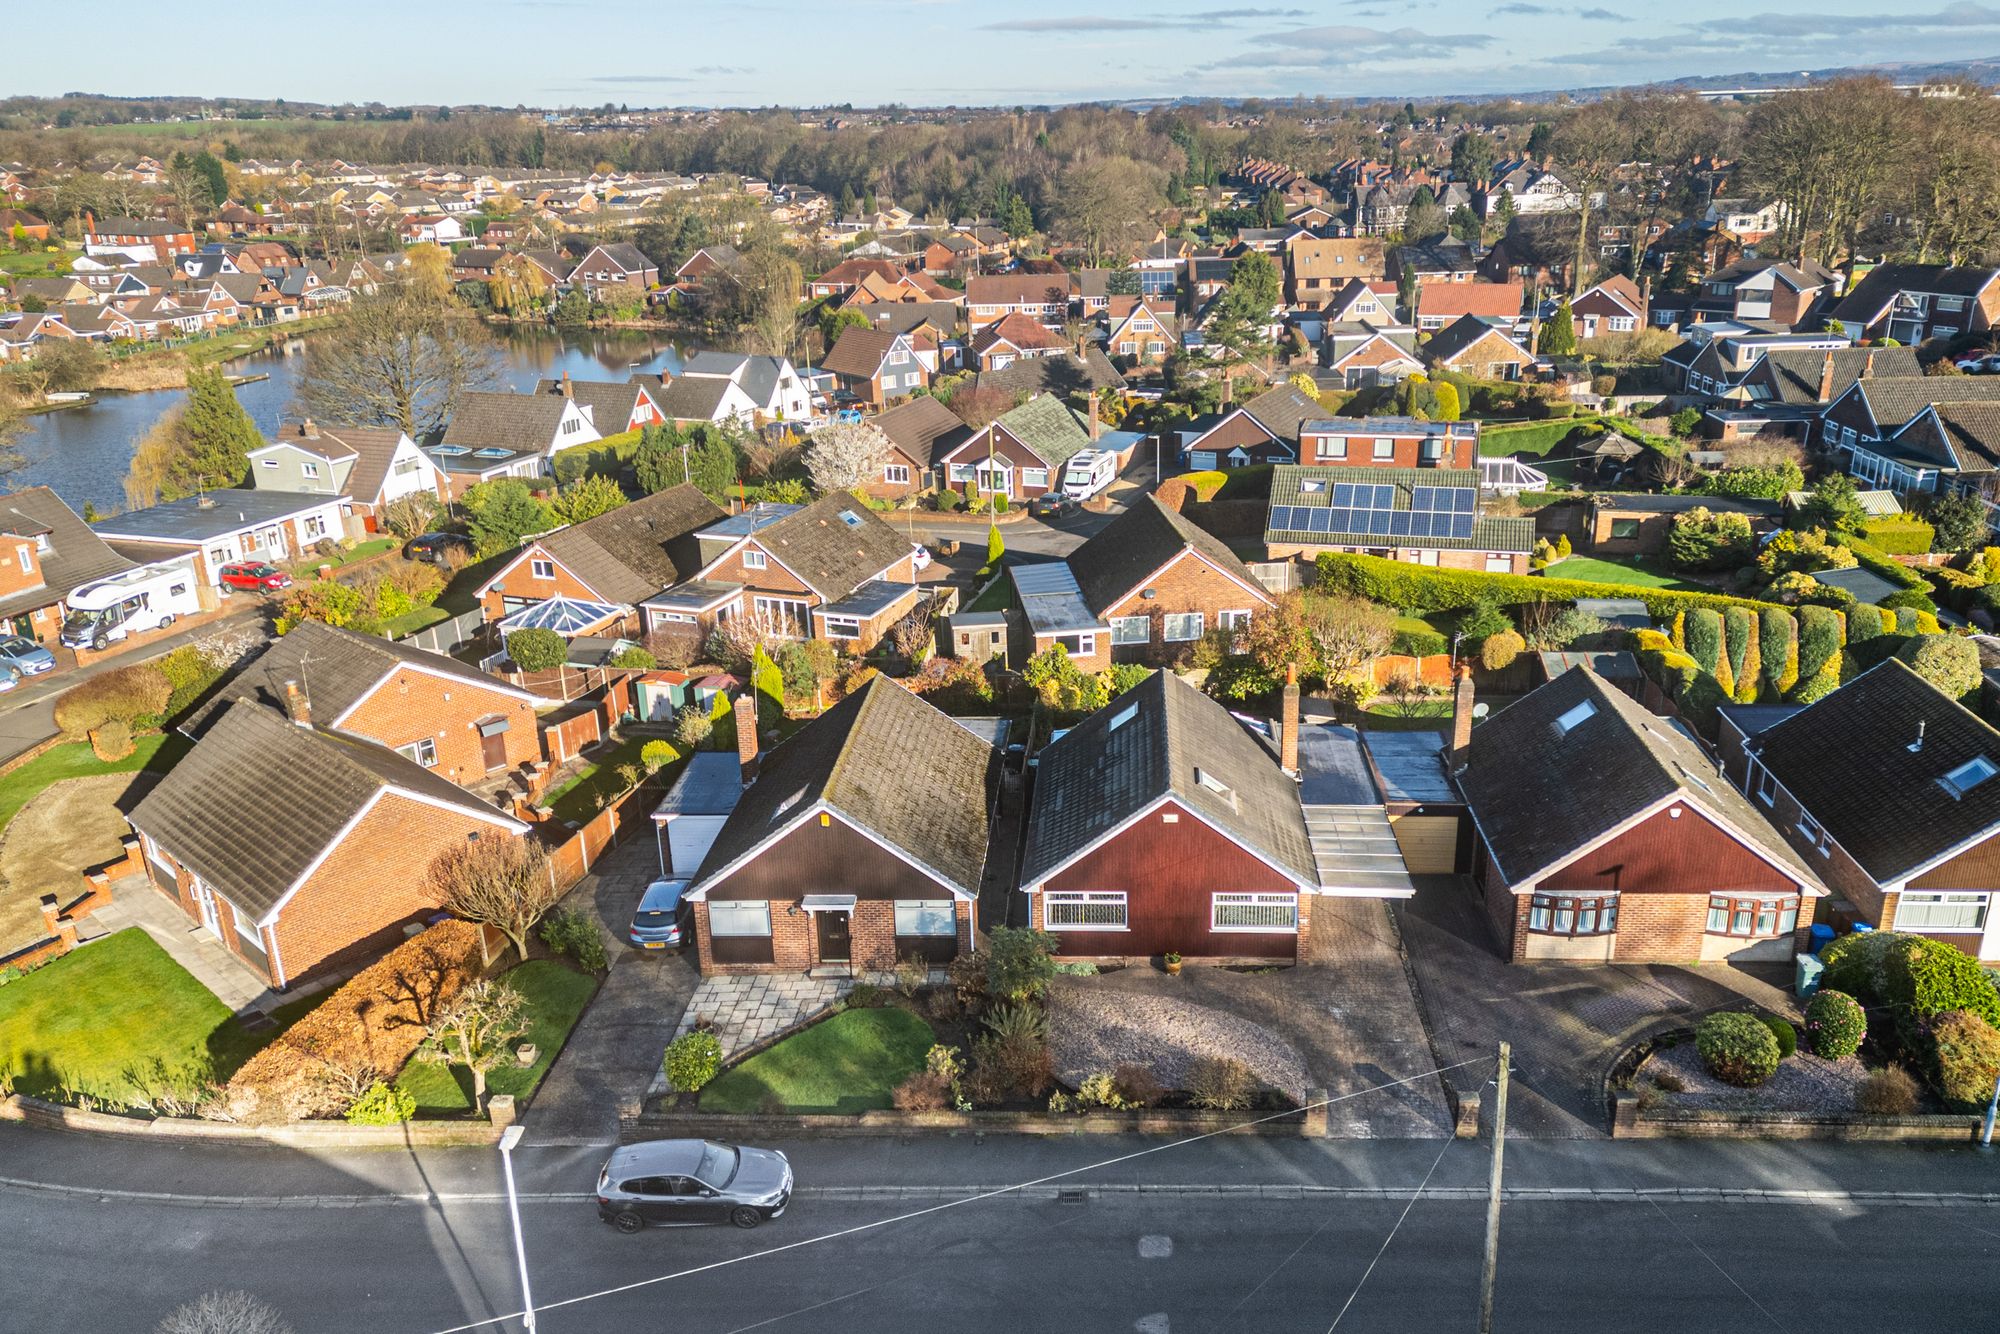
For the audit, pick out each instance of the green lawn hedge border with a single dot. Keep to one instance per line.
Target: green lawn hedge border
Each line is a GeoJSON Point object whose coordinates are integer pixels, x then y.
{"type": "Point", "coordinates": [1901, 535]}
{"type": "Point", "coordinates": [1426, 588]}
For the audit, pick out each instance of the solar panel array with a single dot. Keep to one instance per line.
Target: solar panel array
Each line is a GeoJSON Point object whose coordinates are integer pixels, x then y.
{"type": "Point", "coordinates": [1364, 508]}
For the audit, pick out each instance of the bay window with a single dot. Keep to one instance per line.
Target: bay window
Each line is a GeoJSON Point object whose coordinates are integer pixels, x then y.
{"type": "Point", "coordinates": [1573, 914]}
{"type": "Point", "coordinates": [1751, 916]}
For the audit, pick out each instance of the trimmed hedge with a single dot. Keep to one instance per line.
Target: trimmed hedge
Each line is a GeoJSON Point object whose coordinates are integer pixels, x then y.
{"type": "Point", "coordinates": [1819, 642]}
{"type": "Point", "coordinates": [1902, 535]}
{"type": "Point", "coordinates": [1778, 649]}
{"type": "Point", "coordinates": [1704, 638]}
{"type": "Point", "coordinates": [1739, 629]}
{"type": "Point", "coordinates": [1873, 558]}
{"type": "Point", "coordinates": [1426, 588]}
{"type": "Point", "coordinates": [1737, 1049]}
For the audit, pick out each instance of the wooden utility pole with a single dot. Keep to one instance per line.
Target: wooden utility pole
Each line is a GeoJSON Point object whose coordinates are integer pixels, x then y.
{"type": "Point", "coordinates": [1493, 1198]}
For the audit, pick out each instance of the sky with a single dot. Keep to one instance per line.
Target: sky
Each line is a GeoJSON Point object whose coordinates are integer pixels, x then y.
{"type": "Point", "coordinates": [967, 52]}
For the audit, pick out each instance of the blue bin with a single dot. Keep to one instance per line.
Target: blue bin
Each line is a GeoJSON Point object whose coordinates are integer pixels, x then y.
{"type": "Point", "coordinates": [1822, 936]}
{"type": "Point", "coordinates": [1860, 927]}
{"type": "Point", "coordinates": [1805, 980]}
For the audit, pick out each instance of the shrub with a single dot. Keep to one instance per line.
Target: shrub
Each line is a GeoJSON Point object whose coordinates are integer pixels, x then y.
{"type": "Point", "coordinates": [657, 755]}
{"type": "Point", "coordinates": [1778, 649]}
{"type": "Point", "coordinates": [1018, 963]}
{"type": "Point", "coordinates": [1566, 627]}
{"type": "Point", "coordinates": [124, 693]}
{"type": "Point", "coordinates": [1424, 643]}
{"type": "Point", "coordinates": [1930, 978]}
{"type": "Point", "coordinates": [537, 650]}
{"type": "Point", "coordinates": [926, 1090]}
{"type": "Point", "coordinates": [1023, 1020]}
{"type": "Point", "coordinates": [1136, 1084]}
{"type": "Point", "coordinates": [1500, 650]}
{"type": "Point", "coordinates": [382, 1105]}
{"type": "Point", "coordinates": [1704, 638]}
{"type": "Point", "coordinates": [1483, 618]}
{"type": "Point", "coordinates": [692, 728]}
{"type": "Point", "coordinates": [1967, 1053]}
{"type": "Point", "coordinates": [111, 740]}
{"type": "Point", "coordinates": [1819, 641]}
{"type": "Point", "coordinates": [1913, 599]}
{"type": "Point", "coordinates": [1420, 589]}
{"type": "Point", "coordinates": [1101, 1090]}
{"type": "Point", "coordinates": [1701, 539]}
{"type": "Point", "coordinates": [1736, 1048]}
{"type": "Point", "coordinates": [1949, 662]}
{"type": "Point", "coordinates": [1857, 965]}
{"type": "Point", "coordinates": [1887, 1092]}
{"type": "Point", "coordinates": [1901, 535]}
{"type": "Point", "coordinates": [1835, 1024]}
{"type": "Point", "coordinates": [866, 996]}
{"type": "Point", "coordinates": [692, 1060]}
{"type": "Point", "coordinates": [635, 659]}
{"type": "Point", "coordinates": [575, 934]}
{"type": "Point", "coordinates": [1014, 1065]}
{"type": "Point", "coordinates": [1220, 1083]}
{"type": "Point", "coordinates": [1782, 1030]}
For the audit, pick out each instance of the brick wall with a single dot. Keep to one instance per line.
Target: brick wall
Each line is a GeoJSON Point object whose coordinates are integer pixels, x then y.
{"type": "Point", "coordinates": [518, 581]}
{"type": "Point", "coordinates": [794, 938]}
{"type": "Point", "coordinates": [412, 705]}
{"type": "Point", "coordinates": [1447, 560]}
{"type": "Point", "coordinates": [1189, 583]}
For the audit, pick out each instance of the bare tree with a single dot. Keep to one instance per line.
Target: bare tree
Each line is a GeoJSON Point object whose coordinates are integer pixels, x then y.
{"type": "Point", "coordinates": [1590, 145]}
{"type": "Point", "coordinates": [223, 1312]}
{"type": "Point", "coordinates": [845, 455]}
{"type": "Point", "coordinates": [1827, 153]}
{"type": "Point", "coordinates": [1348, 632]}
{"type": "Point", "coordinates": [504, 883]}
{"type": "Point", "coordinates": [737, 637]}
{"type": "Point", "coordinates": [474, 1029]}
{"type": "Point", "coordinates": [407, 516]}
{"type": "Point", "coordinates": [400, 358]}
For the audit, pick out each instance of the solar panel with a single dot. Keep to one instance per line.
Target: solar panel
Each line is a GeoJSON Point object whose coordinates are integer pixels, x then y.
{"type": "Point", "coordinates": [1281, 518]}
{"type": "Point", "coordinates": [1378, 521]}
{"type": "Point", "coordinates": [1399, 523]}
{"type": "Point", "coordinates": [1422, 498]}
{"type": "Point", "coordinates": [1343, 494]}
{"type": "Point", "coordinates": [1340, 521]}
{"type": "Point", "coordinates": [1461, 525]}
{"type": "Point", "coordinates": [1462, 499]}
{"type": "Point", "coordinates": [1420, 525]}
{"type": "Point", "coordinates": [1321, 521]}
{"type": "Point", "coordinates": [1385, 497]}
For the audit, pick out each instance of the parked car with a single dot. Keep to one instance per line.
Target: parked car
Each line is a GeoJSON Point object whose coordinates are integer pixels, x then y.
{"type": "Point", "coordinates": [9, 678]}
{"type": "Point", "coordinates": [661, 921]}
{"type": "Point", "coordinates": [920, 556]}
{"type": "Point", "coordinates": [432, 548]}
{"type": "Point", "coordinates": [684, 1182]}
{"type": "Point", "coordinates": [253, 576]}
{"type": "Point", "coordinates": [25, 656]}
{"type": "Point", "coordinates": [1052, 505]}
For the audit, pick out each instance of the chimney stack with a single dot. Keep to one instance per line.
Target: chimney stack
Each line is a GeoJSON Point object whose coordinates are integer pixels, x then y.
{"type": "Point", "coordinates": [745, 710]}
{"type": "Point", "coordinates": [1868, 365]}
{"type": "Point", "coordinates": [1288, 725]}
{"type": "Point", "coordinates": [1096, 425]}
{"type": "Point", "coordinates": [1461, 715]}
{"type": "Point", "coordinates": [1826, 378]}
{"type": "Point", "coordinates": [308, 430]}
{"type": "Point", "coordinates": [567, 390]}
{"type": "Point", "coordinates": [296, 706]}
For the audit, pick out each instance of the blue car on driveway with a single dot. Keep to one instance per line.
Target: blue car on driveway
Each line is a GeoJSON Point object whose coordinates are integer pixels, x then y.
{"type": "Point", "coordinates": [25, 655]}
{"type": "Point", "coordinates": [663, 919]}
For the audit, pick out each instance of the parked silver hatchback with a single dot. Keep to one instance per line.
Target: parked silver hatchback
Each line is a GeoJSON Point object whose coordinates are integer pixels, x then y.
{"type": "Point", "coordinates": [683, 1182]}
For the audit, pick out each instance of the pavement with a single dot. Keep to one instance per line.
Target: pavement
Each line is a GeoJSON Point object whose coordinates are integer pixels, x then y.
{"type": "Point", "coordinates": [614, 1051]}
{"type": "Point", "coordinates": [1568, 1023]}
{"type": "Point", "coordinates": [747, 1010]}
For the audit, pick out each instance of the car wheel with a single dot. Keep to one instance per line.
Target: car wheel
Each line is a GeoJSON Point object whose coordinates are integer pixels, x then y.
{"type": "Point", "coordinates": [166, 621]}
{"type": "Point", "coordinates": [628, 1222]}
{"type": "Point", "coordinates": [745, 1217]}
{"type": "Point", "coordinates": [100, 641]}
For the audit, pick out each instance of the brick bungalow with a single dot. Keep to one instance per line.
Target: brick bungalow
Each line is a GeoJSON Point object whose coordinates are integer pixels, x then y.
{"type": "Point", "coordinates": [1160, 583]}
{"type": "Point", "coordinates": [1264, 430]}
{"type": "Point", "coordinates": [46, 552]}
{"type": "Point", "coordinates": [1020, 454]}
{"type": "Point", "coordinates": [920, 433]}
{"type": "Point", "coordinates": [1481, 348]}
{"type": "Point", "coordinates": [859, 841]}
{"type": "Point", "coordinates": [1916, 846]}
{"type": "Point", "coordinates": [301, 849]}
{"type": "Point", "coordinates": [1427, 516]}
{"type": "Point", "coordinates": [224, 526]}
{"type": "Point", "coordinates": [1607, 836]}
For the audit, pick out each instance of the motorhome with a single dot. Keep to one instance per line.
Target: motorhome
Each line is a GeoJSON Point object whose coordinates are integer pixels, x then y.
{"type": "Point", "coordinates": [132, 602]}
{"type": "Point", "coordinates": [1089, 471]}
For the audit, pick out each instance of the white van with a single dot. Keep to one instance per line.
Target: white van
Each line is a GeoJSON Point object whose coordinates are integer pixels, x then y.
{"type": "Point", "coordinates": [148, 598]}
{"type": "Point", "coordinates": [1089, 471]}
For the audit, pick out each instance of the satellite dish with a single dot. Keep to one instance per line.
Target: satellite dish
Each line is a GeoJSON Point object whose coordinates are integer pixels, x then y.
{"type": "Point", "coordinates": [1480, 710]}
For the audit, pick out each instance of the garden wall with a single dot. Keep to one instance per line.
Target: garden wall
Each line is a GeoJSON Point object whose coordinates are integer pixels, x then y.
{"type": "Point", "coordinates": [571, 859]}
{"type": "Point", "coordinates": [302, 1135]}
{"type": "Point", "coordinates": [1309, 1123]}
{"type": "Point", "coordinates": [1628, 1122]}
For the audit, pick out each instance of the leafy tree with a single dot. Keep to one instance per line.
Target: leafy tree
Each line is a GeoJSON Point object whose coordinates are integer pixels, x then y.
{"type": "Point", "coordinates": [210, 171]}
{"type": "Point", "coordinates": [1425, 219]}
{"type": "Point", "coordinates": [768, 684]}
{"type": "Point", "coordinates": [536, 650]}
{"type": "Point", "coordinates": [1959, 522]}
{"type": "Point", "coordinates": [1484, 617]}
{"type": "Point", "coordinates": [1472, 157]}
{"type": "Point", "coordinates": [1834, 504]}
{"type": "Point", "coordinates": [1281, 636]}
{"type": "Point", "coordinates": [1465, 225]}
{"type": "Point", "coordinates": [503, 512]}
{"type": "Point", "coordinates": [834, 320]}
{"type": "Point", "coordinates": [1703, 539]}
{"type": "Point", "coordinates": [1503, 213]}
{"type": "Point", "coordinates": [996, 547]}
{"type": "Point", "coordinates": [1559, 334]}
{"type": "Point", "coordinates": [587, 498]}
{"type": "Point", "coordinates": [215, 439]}
{"type": "Point", "coordinates": [1019, 963]}
{"type": "Point", "coordinates": [674, 455]}
{"type": "Point", "coordinates": [476, 1029]}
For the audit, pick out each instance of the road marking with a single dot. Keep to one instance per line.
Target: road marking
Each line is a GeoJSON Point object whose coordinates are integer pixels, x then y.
{"type": "Point", "coordinates": [1155, 1247]}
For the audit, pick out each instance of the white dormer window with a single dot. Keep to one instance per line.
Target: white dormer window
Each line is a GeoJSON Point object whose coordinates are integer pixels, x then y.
{"type": "Point", "coordinates": [754, 559]}
{"type": "Point", "coordinates": [1207, 780]}
{"type": "Point", "coordinates": [1967, 776]}
{"type": "Point", "coordinates": [1576, 717]}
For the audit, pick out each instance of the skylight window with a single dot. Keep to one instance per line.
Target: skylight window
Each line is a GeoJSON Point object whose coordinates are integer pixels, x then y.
{"type": "Point", "coordinates": [1122, 717]}
{"type": "Point", "coordinates": [453, 450]}
{"type": "Point", "coordinates": [493, 453]}
{"type": "Point", "coordinates": [850, 518]}
{"type": "Point", "coordinates": [1576, 717]}
{"type": "Point", "coordinates": [1203, 778]}
{"type": "Point", "coordinates": [1968, 776]}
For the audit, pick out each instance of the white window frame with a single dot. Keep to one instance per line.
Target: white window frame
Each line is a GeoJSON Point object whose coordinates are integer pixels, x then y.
{"type": "Point", "coordinates": [1810, 830]}
{"type": "Point", "coordinates": [928, 917]}
{"type": "Point", "coordinates": [896, 474]}
{"type": "Point", "coordinates": [719, 923]}
{"type": "Point", "coordinates": [754, 559]}
{"type": "Point", "coordinates": [423, 750]}
{"type": "Point", "coordinates": [1083, 647]}
{"type": "Point", "coordinates": [309, 470]}
{"type": "Point", "coordinates": [842, 627]}
{"type": "Point", "coordinates": [1221, 900]}
{"type": "Point", "coordinates": [1167, 626]}
{"type": "Point", "coordinates": [1131, 630]}
{"type": "Point", "coordinates": [1982, 904]}
{"type": "Point", "coordinates": [794, 615]}
{"type": "Point", "coordinates": [1085, 899]}
{"type": "Point", "coordinates": [1034, 477]}
{"type": "Point", "coordinates": [1385, 448]}
{"type": "Point", "coordinates": [315, 528]}
{"type": "Point", "coordinates": [1236, 618]}
{"type": "Point", "coordinates": [542, 569]}
{"type": "Point", "coordinates": [1331, 447]}
{"type": "Point", "coordinates": [1764, 783]}
{"type": "Point", "coordinates": [961, 472]}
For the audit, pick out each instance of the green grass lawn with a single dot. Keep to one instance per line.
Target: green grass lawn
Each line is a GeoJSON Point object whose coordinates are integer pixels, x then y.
{"type": "Point", "coordinates": [996, 596]}
{"type": "Point", "coordinates": [374, 546]}
{"type": "Point", "coordinates": [400, 627]}
{"type": "Point", "coordinates": [1425, 716]}
{"type": "Point", "coordinates": [116, 1004]}
{"type": "Point", "coordinates": [576, 799]}
{"type": "Point", "coordinates": [1636, 572]}
{"type": "Point", "coordinates": [556, 994]}
{"type": "Point", "coordinates": [33, 263]}
{"type": "Point", "coordinates": [76, 760]}
{"type": "Point", "coordinates": [850, 1062]}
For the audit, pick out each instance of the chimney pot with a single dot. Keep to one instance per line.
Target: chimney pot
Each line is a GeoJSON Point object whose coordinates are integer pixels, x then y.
{"type": "Point", "coordinates": [1461, 715]}
{"type": "Point", "coordinates": [1288, 728]}
{"type": "Point", "coordinates": [745, 710]}
{"type": "Point", "coordinates": [1826, 378]}
{"type": "Point", "coordinates": [1868, 364]}
{"type": "Point", "coordinates": [297, 708]}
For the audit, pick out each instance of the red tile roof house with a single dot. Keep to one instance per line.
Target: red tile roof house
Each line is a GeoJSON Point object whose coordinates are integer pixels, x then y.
{"type": "Point", "coordinates": [1606, 836]}
{"type": "Point", "coordinates": [1159, 583]}
{"type": "Point", "coordinates": [1264, 430]}
{"type": "Point", "coordinates": [609, 265]}
{"type": "Point", "coordinates": [860, 841]}
{"type": "Point", "coordinates": [1389, 442]}
{"type": "Point", "coordinates": [879, 367]}
{"type": "Point", "coordinates": [300, 849]}
{"type": "Point", "coordinates": [1039, 296]}
{"type": "Point", "coordinates": [1439, 304]}
{"type": "Point", "coordinates": [1160, 823]}
{"type": "Point", "coordinates": [1020, 454]}
{"type": "Point", "coordinates": [1611, 307]}
{"type": "Point", "coordinates": [1891, 791]}
{"type": "Point", "coordinates": [845, 276]}
{"type": "Point", "coordinates": [1013, 338]}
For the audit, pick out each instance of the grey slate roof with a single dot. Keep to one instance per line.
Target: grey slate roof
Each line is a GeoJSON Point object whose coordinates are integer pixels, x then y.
{"type": "Point", "coordinates": [524, 422]}
{"type": "Point", "coordinates": [888, 763]}
{"type": "Point", "coordinates": [696, 398]}
{"type": "Point", "coordinates": [1847, 759]}
{"type": "Point", "coordinates": [1871, 298]}
{"type": "Point", "coordinates": [76, 554]}
{"type": "Point", "coordinates": [258, 800]}
{"type": "Point", "coordinates": [1066, 373]}
{"type": "Point", "coordinates": [1794, 375]}
{"type": "Point", "coordinates": [1283, 409]}
{"type": "Point", "coordinates": [628, 554]}
{"type": "Point", "coordinates": [1097, 776]}
{"type": "Point", "coordinates": [196, 519]}
{"type": "Point", "coordinates": [1866, 585]}
{"type": "Point", "coordinates": [1048, 426]}
{"type": "Point", "coordinates": [923, 429]}
{"type": "Point", "coordinates": [1139, 541]}
{"type": "Point", "coordinates": [610, 401]}
{"type": "Point", "coordinates": [1893, 400]}
{"type": "Point", "coordinates": [1539, 795]}
{"type": "Point", "coordinates": [832, 555]}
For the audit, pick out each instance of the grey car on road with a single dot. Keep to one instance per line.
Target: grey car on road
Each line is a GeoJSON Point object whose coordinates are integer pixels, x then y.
{"type": "Point", "coordinates": [682, 1182]}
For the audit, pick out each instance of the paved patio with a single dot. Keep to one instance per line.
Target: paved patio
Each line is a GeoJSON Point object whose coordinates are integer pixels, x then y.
{"type": "Point", "coordinates": [747, 1010]}
{"type": "Point", "coordinates": [1568, 1023]}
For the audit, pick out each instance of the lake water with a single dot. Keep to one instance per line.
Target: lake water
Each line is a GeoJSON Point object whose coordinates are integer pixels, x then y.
{"type": "Point", "coordinates": [84, 453]}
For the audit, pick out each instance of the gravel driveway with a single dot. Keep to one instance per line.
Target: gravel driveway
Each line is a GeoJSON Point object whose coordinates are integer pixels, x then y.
{"type": "Point", "coordinates": [1092, 1030]}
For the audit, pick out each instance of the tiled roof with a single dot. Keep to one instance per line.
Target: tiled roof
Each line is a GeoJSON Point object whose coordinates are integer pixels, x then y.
{"type": "Point", "coordinates": [506, 421]}
{"type": "Point", "coordinates": [923, 429]}
{"type": "Point", "coordinates": [834, 545]}
{"type": "Point", "coordinates": [1795, 374]}
{"type": "Point", "coordinates": [858, 353]}
{"type": "Point", "coordinates": [1871, 298]}
{"type": "Point", "coordinates": [1064, 373]}
{"type": "Point", "coordinates": [1894, 400]}
{"type": "Point", "coordinates": [611, 402]}
{"type": "Point", "coordinates": [1048, 426]}
{"type": "Point", "coordinates": [76, 554]}
{"type": "Point", "coordinates": [1136, 543]}
{"type": "Point", "coordinates": [628, 554]}
{"type": "Point", "coordinates": [1289, 483]}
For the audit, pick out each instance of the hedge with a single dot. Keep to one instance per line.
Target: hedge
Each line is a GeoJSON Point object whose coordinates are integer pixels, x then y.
{"type": "Point", "coordinates": [1418, 589]}
{"type": "Point", "coordinates": [1875, 559]}
{"type": "Point", "coordinates": [1901, 535]}
{"type": "Point", "coordinates": [1704, 638]}
{"type": "Point", "coordinates": [1819, 641]}
{"type": "Point", "coordinates": [1778, 647]}
{"type": "Point", "coordinates": [1739, 631]}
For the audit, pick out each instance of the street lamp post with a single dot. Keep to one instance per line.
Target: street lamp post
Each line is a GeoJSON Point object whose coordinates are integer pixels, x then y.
{"type": "Point", "coordinates": [508, 1139]}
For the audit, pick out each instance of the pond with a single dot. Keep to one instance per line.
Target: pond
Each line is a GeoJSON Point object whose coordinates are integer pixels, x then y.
{"type": "Point", "coordinates": [83, 453]}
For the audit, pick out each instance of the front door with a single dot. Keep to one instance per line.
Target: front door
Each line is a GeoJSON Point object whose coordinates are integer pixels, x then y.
{"type": "Point", "coordinates": [834, 942]}
{"type": "Point", "coordinates": [493, 750]}
{"type": "Point", "coordinates": [204, 902]}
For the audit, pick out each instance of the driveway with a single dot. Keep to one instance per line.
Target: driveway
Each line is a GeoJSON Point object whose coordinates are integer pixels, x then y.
{"type": "Point", "coordinates": [1567, 1022]}
{"type": "Point", "coordinates": [615, 1049]}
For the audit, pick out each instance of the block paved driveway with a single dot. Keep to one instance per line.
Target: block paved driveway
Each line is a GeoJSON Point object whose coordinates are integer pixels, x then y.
{"type": "Point", "coordinates": [614, 1051]}
{"type": "Point", "coordinates": [1567, 1022]}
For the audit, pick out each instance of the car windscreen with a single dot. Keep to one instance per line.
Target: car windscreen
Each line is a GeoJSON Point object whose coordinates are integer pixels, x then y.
{"type": "Point", "coordinates": [718, 1164]}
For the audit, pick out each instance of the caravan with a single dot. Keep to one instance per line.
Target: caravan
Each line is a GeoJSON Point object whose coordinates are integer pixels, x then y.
{"type": "Point", "coordinates": [1089, 471]}
{"type": "Point", "coordinates": [146, 598]}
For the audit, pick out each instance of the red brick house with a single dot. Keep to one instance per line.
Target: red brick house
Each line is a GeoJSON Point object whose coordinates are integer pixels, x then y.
{"type": "Point", "coordinates": [1389, 442]}
{"type": "Point", "coordinates": [1020, 454]}
{"type": "Point", "coordinates": [1915, 847]}
{"type": "Point", "coordinates": [1159, 823]}
{"type": "Point", "coordinates": [1013, 338]}
{"type": "Point", "coordinates": [144, 240]}
{"type": "Point", "coordinates": [1040, 296]}
{"type": "Point", "coordinates": [845, 276]}
{"type": "Point", "coordinates": [920, 432]}
{"type": "Point", "coordinates": [46, 552]}
{"type": "Point", "coordinates": [334, 873]}
{"type": "Point", "coordinates": [1440, 304]}
{"type": "Point", "coordinates": [1479, 348]}
{"type": "Point", "coordinates": [1159, 583]}
{"type": "Point", "coordinates": [1426, 516]}
{"type": "Point", "coordinates": [1142, 330]}
{"type": "Point", "coordinates": [1607, 836]}
{"type": "Point", "coordinates": [1264, 430]}
{"type": "Point", "coordinates": [621, 557]}
{"type": "Point", "coordinates": [859, 841]}
{"type": "Point", "coordinates": [1613, 306]}
{"type": "Point", "coordinates": [610, 265]}
{"type": "Point", "coordinates": [878, 366]}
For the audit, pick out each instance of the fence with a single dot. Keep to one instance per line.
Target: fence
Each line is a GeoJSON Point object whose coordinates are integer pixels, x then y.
{"type": "Point", "coordinates": [449, 636]}
{"type": "Point", "coordinates": [587, 720]}
{"type": "Point", "coordinates": [571, 859]}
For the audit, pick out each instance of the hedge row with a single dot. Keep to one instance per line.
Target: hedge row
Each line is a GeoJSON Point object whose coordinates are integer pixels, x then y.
{"type": "Point", "coordinates": [1901, 535]}
{"type": "Point", "coordinates": [1427, 588]}
{"type": "Point", "coordinates": [1874, 558]}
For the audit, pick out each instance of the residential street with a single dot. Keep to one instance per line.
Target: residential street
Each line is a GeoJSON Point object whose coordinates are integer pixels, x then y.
{"type": "Point", "coordinates": [1200, 1248]}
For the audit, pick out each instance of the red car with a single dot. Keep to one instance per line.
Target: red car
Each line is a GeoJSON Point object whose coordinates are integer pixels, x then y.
{"type": "Point", "coordinates": [255, 576]}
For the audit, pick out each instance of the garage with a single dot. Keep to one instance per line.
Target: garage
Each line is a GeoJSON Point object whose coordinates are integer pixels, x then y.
{"type": "Point", "coordinates": [1429, 842]}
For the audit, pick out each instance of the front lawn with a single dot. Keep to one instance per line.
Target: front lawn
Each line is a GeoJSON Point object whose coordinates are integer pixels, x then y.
{"type": "Point", "coordinates": [34, 263]}
{"type": "Point", "coordinates": [848, 1063]}
{"type": "Point", "coordinates": [1633, 571]}
{"type": "Point", "coordinates": [402, 627]}
{"type": "Point", "coordinates": [76, 760]}
{"type": "Point", "coordinates": [556, 994]}
{"type": "Point", "coordinates": [114, 1005]}
{"type": "Point", "coordinates": [374, 546]}
{"type": "Point", "coordinates": [996, 596]}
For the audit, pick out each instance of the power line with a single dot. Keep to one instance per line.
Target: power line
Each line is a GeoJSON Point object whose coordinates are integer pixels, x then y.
{"type": "Point", "coordinates": [970, 1199]}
